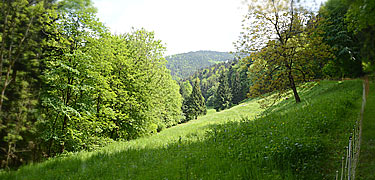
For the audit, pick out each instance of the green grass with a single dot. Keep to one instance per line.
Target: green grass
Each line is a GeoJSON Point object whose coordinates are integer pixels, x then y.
{"type": "Point", "coordinates": [366, 168]}
{"type": "Point", "coordinates": [289, 141]}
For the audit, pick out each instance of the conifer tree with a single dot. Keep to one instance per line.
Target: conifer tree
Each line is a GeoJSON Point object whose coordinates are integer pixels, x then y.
{"type": "Point", "coordinates": [236, 88]}
{"type": "Point", "coordinates": [223, 94]}
{"type": "Point", "coordinates": [195, 105]}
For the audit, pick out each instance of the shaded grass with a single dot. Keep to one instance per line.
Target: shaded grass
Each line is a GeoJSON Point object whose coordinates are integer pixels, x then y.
{"type": "Point", "coordinates": [366, 168]}
{"type": "Point", "coordinates": [289, 141]}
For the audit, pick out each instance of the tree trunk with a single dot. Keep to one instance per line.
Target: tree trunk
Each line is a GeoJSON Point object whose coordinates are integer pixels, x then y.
{"type": "Point", "coordinates": [293, 86]}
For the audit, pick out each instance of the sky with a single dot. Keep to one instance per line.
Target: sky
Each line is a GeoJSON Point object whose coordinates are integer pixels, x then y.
{"type": "Point", "coordinates": [182, 25]}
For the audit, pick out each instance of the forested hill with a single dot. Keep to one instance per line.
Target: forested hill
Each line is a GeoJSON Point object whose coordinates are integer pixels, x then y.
{"type": "Point", "coordinates": [185, 64]}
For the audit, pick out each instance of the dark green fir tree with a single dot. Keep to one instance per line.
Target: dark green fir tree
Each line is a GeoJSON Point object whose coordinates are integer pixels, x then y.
{"type": "Point", "coordinates": [223, 94]}
{"type": "Point", "coordinates": [236, 89]}
{"type": "Point", "coordinates": [195, 104]}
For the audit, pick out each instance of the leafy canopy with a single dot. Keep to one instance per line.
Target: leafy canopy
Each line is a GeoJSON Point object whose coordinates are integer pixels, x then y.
{"type": "Point", "coordinates": [284, 46]}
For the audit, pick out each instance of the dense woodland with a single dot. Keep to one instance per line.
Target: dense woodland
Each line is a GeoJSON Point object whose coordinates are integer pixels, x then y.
{"type": "Point", "coordinates": [235, 75]}
{"type": "Point", "coordinates": [67, 84]}
{"type": "Point", "coordinates": [185, 64]}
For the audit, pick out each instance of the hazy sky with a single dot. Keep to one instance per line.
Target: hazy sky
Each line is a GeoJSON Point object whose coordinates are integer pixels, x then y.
{"type": "Point", "coordinates": [183, 25]}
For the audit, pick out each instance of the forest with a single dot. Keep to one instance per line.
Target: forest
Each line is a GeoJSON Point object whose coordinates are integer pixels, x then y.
{"type": "Point", "coordinates": [68, 84]}
{"type": "Point", "coordinates": [185, 64]}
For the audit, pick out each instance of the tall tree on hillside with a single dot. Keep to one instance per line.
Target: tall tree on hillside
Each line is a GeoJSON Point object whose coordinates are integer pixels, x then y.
{"type": "Point", "coordinates": [223, 96]}
{"type": "Point", "coordinates": [285, 47]}
{"type": "Point", "coordinates": [236, 88]}
{"type": "Point", "coordinates": [195, 105]}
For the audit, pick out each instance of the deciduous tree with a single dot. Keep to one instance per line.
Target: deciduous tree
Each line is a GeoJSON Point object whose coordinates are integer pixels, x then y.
{"type": "Point", "coordinates": [284, 48]}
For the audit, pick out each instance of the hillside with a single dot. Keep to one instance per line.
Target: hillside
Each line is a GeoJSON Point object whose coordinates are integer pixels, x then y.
{"type": "Point", "coordinates": [288, 141]}
{"type": "Point", "coordinates": [185, 64]}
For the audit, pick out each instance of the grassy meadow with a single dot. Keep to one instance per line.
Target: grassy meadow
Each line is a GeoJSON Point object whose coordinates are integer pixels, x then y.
{"type": "Point", "coordinates": [287, 141]}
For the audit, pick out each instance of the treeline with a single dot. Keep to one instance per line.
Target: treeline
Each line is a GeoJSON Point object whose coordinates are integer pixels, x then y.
{"type": "Point", "coordinates": [297, 47]}
{"type": "Point", "coordinates": [222, 85]}
{"type": "Point", "coordinates": [186, 64]}
{"type": "Point", "coordinates": [68, 84]}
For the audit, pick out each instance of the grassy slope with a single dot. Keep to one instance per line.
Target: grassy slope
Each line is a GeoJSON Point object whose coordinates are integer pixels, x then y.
{"type": "Point", "coordinates": [366, 169]}
{"type": "Point", "coordinates": [302, 141]}
{"type": "Point", "coordinates": [132, 159]}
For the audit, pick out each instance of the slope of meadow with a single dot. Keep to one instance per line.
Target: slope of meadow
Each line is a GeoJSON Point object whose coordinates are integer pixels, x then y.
{"type": "Point", "coordinates": [287, 141]}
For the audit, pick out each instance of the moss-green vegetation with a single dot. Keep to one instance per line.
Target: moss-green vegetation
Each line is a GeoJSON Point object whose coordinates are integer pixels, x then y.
{"type": "Point", "coordinates": [366, 166]}
{"type": "Point", "coordinates": [289, 141]}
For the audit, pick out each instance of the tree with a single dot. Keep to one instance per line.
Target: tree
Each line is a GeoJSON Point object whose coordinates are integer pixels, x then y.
{"type": "Point", "coordinates": [68, 84]}
{"type": "Point", "coordinates": [223, 95]}
{"type": "Point", "coordinates": [69, 80]}
{"type": "Point", "coordinates": [236, 88]}
{"type": "Point", "coordinates": [76, 5]}
{"type": "Point", "coordinates": [211, 94]}
{"type": "Point", "coordinates": [21, 21]}
{"type": "Point", "coordinates": [361, 21]}
{"type": "Point", "coordinates": [195, 105]}
{"type": "Point", "coordinates": [346, 46]}
{"type": "Point", "coordinates": [21, 26]}
{"type": "Point", "coordinates": [284, 47]}
{"type": "Point", "coordinates": [185, 89]}
{"type": "Point", "coordinates": [157, 97]}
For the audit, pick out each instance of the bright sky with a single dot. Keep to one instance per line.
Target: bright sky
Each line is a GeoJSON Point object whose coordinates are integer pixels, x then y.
{"type": "Point", "coordinates": [182, 25]}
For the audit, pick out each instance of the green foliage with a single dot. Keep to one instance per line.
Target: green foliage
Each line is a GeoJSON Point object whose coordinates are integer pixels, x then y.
{"type": "Point", "coordinates": [21, 25]}
{"type": "Point", "coordinates": [223, 95]}
{"type": "Point", "coordinates": [349, 27]}
{"type": "Point", "coordinates": [69, 82]}
{"type": "Point", "coordinates": [195, 105]}
{"type": "Point", "coordinates": [360, 15]}
{"type": "Point", "coordinates": [209, 78]}
{"type": "Point", "coordinates": [113, 87]}
{"type": "Point", "coordinates": [237, 74]}
{"type": "Point", "coordinates": [347, 61]}
{"type": "Point", "coordinates": [284, 47]}
{"type": "Point", "coordinates": [76, 5]}
{"type": "Point", "coordinates": [361, 20]}
{"type": "Point", "coordinates": [184, 65]}
{"type": "Point", "coordinates": [236, 89]}
{"type": "Point", "coordinates": [185, 89]}
{"type": "Point", "coordinates": [290, 141]}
